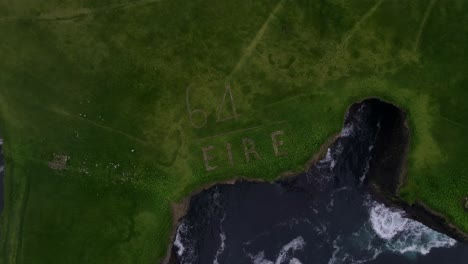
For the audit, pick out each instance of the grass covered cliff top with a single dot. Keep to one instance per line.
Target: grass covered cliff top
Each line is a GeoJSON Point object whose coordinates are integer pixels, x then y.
{"type": "Point", "coordinates": [112, 110]}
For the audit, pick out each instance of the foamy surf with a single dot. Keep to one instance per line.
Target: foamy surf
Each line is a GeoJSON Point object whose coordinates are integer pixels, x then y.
{"type": "Point", "coordinates": [387, 230]}
{"type": "Point", "coordinates": [255, 222]}
{"type": "Point", "coordinates": [285, 255]}
{"type": "Point", "coordinates": [222, 237]}
{"type": "Point", "coordinates": [183, 245]}
{"type": "Point", "coordinates": [405, 235]}
{"type": "Point", "coordinates": [386, 222]}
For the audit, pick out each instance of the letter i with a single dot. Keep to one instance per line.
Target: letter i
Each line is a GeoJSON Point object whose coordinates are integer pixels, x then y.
{"type": "Point", "coordinates": [229, 152]}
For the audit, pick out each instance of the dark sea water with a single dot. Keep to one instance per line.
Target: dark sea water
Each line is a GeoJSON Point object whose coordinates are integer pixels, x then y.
{"type": "Point", "coordinates": [326, 215]}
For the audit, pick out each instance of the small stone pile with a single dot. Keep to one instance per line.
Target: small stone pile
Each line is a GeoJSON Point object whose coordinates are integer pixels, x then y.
{"type": "Point", "coordinates": [59, 162]}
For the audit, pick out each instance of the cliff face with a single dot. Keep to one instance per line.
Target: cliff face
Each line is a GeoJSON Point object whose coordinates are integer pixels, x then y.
{"type": "Point", "coordinates": [339, 202]}
{"type": "Point", "coordinates": [387, 166]}
{"type": "Point", "coordinates": [387, 171]}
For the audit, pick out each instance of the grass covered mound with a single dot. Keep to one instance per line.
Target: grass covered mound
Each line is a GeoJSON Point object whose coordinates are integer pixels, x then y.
{"type": "Point", "coordinates": [111, 110]}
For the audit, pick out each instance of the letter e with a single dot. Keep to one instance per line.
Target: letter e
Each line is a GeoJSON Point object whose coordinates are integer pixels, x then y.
{"type": "Point", "coordinates": [207, 158]}
{"type": "Point", "coordinates": [277, 143]}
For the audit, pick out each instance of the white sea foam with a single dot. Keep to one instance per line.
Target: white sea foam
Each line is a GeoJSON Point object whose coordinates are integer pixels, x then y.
{"type": "Point", "coordinates": [347, 131]}
{"type": "Point", "coordinates": [295, 261]}
{"type": "Point", "coordinates": [296, 244]}
{"type": "Point", "coordinates": [329, 159]}
{"type": "Point", "coordinates": [388, 230]}
{"type": "Point", "coordinates": [386, 222]}
{"type": "Point", "coordinates": [366, 170]}
{"type": "Point", "coordinates": [285, 254]}
{"type": "Point", "coordinates": [334, 259]}
{"type": "Point", "coordinates": [404, 235]}
{"type": "Point", "coordinates": [222, 236]}
{"type": "Point", "coordinates": [178, 240]}
{"type": "Point", "coordinates": [185, 249]}
{"type": "Point", "coordinates": [260, 259]}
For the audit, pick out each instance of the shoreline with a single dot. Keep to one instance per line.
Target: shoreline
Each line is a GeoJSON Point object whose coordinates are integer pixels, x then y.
{"type": "Point", "coordinates": [383, 186]}
{"type": "Point", "coordinates": [387, 179]}
{"type": "Point", "coordinates": [179, 209]}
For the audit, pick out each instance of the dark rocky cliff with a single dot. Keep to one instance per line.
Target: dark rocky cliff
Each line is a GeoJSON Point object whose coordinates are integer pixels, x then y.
{"type": "Point", "coordinates": [305, 218]}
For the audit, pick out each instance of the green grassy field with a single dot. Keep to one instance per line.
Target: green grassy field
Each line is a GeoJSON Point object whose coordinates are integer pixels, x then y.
{"type": "Point", "coordinates": [132, 91]}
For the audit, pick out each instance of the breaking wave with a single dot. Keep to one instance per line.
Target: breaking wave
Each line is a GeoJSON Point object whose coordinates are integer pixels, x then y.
{"type": "Point", "coordinates": [222, 236]}
{"type": "Point", "coordinates": [183, 245]}
{"type": "Point", "coordinates": [329, 205]}
{"type": "Point", "coordinates": [328, 161]}
{"type": "Point", "coordinates": [347, 131]}
{"type": "Point", "coordinates": [388, 230]}
{"type": "Point", "coordinates": [284, 256]}
{"type": "Point", "coordinates": [403, 234]}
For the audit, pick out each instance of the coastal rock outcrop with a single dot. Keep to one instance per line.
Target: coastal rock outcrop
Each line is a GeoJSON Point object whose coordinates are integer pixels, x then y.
{"type": "Point", "coordinates": [344, 208]}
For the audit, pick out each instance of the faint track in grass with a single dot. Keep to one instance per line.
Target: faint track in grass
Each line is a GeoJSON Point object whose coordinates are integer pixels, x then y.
{"type": "Point", "coordinates": [258, 36]}
{"type": "Point", "coordinates": [452, 122]}
{"type": "Point", "coordinates": [422, 25]}
{"type": "Point", "coordinates": [62, 112]}
{"type": "Point", "coordinates": [333, 57]}
{"type": "Point", "coordinates": [109, 129]}
{"type": "Point", "coordinates": [358, 24]}
{"type": "Point", "coordinates": [240, 130]}
{"type": "Point", "coordinates": [83, 12]}
{"type": "Point", "coordinates": [13, 237]}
